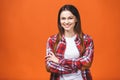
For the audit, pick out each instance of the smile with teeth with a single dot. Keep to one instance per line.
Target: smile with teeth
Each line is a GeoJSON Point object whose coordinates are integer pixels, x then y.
{"type": "Point", "coordinates": [67, 25]}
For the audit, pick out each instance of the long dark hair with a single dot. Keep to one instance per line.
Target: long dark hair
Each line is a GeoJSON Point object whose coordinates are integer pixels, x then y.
{"type": "Point", "coordinates": [77, 27]}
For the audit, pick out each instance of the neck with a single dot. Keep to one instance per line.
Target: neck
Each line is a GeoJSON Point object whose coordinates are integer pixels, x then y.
{"type": "Point", "coordinates": [69, 33]}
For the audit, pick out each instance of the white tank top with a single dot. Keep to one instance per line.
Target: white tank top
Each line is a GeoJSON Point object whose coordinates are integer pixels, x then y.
{"type": "Point", "coordinates": [70, 53]}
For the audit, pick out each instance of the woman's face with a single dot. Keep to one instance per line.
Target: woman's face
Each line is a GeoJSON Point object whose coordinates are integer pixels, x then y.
{"type": "Point", "coordinates": [67, 20]}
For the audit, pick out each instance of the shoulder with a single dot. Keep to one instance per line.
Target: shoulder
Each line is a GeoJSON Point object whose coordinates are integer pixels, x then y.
{"type": "Point", "coordinates": [52, 38]}
{"type": "Point", "coordinates": [87, 37]}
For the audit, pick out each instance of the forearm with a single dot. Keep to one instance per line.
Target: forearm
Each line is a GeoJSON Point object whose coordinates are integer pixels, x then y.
{"type": "Point", "coordinates": [83, 61]}
{"type": "Point", "coordinates": [57, 68]}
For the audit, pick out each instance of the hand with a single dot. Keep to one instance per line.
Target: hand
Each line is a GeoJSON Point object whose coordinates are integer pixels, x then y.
{"type": "Point", "coordinates": [52, 57]}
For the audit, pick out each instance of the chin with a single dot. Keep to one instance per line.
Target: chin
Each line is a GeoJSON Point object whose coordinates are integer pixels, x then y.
{"type": "Point", "coordinates": [67, 29]}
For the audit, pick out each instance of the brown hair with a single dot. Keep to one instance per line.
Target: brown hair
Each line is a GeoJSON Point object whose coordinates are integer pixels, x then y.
{"type": "Point", "coordinates": [77, 27]}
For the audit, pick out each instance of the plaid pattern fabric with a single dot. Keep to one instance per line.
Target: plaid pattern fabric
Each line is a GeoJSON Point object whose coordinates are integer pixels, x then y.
{"type": "Point", "coordinates": [67, 66]}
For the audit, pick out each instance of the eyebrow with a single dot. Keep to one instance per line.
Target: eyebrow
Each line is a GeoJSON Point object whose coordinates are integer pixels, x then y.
{"type": "Point", "coordinates": [68, 16]}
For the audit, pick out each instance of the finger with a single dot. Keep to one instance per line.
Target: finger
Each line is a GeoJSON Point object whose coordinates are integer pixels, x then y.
{"type": "Point", "coordinates": [49, 59]}
{"type": "Point", "coordinates": [51, 53]}
{"type": "Point", "coordinates": [48, 56]}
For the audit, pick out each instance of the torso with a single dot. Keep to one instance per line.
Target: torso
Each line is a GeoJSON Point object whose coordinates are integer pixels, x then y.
{"type": "Point", "coordinates": [71, 52]}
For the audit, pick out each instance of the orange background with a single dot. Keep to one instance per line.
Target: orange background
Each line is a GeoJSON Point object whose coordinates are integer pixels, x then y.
{"type": "Point", "coordinates": [25, 26]}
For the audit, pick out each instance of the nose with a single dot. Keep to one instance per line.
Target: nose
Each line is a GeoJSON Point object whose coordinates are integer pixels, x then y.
{"type": "Point", "coordinates": [66, 21]}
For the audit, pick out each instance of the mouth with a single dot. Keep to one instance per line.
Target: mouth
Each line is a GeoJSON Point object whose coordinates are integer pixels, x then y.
{"type": "Point", "coordinates": [67, 26]}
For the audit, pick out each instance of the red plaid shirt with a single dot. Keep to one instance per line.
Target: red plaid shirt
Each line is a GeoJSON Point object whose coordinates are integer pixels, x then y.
{"type": "Point", "coordinates": [67, 66]}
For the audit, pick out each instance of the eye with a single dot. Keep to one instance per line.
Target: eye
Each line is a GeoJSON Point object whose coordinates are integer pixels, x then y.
{"type": "Point", "coordinates": [63, 18]}
{"type": "Point", "coordinates": [70, 18]}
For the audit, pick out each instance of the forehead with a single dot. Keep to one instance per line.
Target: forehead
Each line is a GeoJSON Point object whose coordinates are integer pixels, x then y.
{"type": "Point", "coordinates": [66, 13]}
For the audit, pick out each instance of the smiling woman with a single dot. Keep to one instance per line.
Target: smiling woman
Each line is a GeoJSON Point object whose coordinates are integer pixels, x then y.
{"type": "Point", "coordinates": [70, 52]}
{"type": "Point", "coordinates": [25, 26]}
{"type": "Point", "coordinates": [67, 20]}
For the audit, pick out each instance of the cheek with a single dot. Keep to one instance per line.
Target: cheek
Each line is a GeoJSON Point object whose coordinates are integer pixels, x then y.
{"type": "Point", "coordinates": [61, 22]}
{"type": "Point", "coordinates": [72, 21]}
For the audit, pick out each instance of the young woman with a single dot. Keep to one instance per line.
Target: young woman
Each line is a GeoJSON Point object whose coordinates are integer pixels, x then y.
{"type": "Point", "coordinates": [69, 53]}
